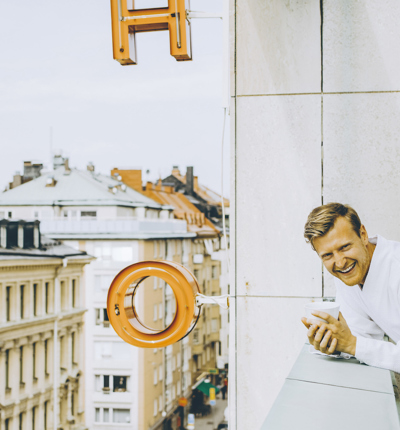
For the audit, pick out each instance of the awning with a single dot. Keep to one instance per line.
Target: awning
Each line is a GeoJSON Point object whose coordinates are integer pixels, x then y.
{"type": "Point", "coordinates": [204, 387]}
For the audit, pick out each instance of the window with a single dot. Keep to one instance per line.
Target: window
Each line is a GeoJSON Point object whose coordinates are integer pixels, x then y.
{"type": "Point", "coordinates": [155, 407]}
{"type": "Point", "coordinates": [89, 214]}
{"type": "Point", "coordinates": [155, 283]}
{"type": "Point", "coordinates": [46, 362]}
{"type": "Point", "coordinates": [46, 409]}
{"type": "Point", "coordinates": [64, 296]}
{"type": "Point", "coordinates": [106, 415]}
{"type": "Point", "coordinates": [155, 313]}
{"type": "Point", "coordinates": [106, 383]}
{"type": "Point", "coordinates": [74, 293]}
{"type": "Point", "coordinates": [21, 364]}
{"type": "Point", "coordinates": [73, 361]}
{"type": "Point", "coordinates": [7, 369]}
{"type": "Point", "coordinates": [73, 403]}
{"type": "Point", "coordinates": [63, 350]}
{"type": "Point", "coordinates": [196, 337]}
{"type": "Point", "coordinates": [7, 425]}
{"type": "Point", "coordinates": [196, 274]}
{"type": "Point", "coordinates": [122, 416]}
{"type": "Point", "coordinates": [21, 421]}
{"type": "Point", "coordinates": [120, 383]}
{"type": "Point", "coordinates": [214, 272]}
{"type": "Point", "coordinates": [35, 288]}
{"type": "Point", "coordinates": [102, 317]}
{"type": "Point", "coordinates": [46, 299]}
{"type": "Point", "coordinates": [214, 325]}
{"type": "Point", "coordinates": [160, 401]}
{"type": "Point", "coordinates": [34, 361]}
{"type": "Point", "coordinates": [34, 417]}
{"type": "Point", "coordinates": [160, 372]}
{"type": "Point", "coordinates": [155, 378]}
{"type": "Point", "coordinates": [8, 303]}
{"type": "Point", "coordinates": [160, 311]}
{"type": "Point", "coordinates": [97, 415]}
{"type": "Point", "coordinates": [22, 300]}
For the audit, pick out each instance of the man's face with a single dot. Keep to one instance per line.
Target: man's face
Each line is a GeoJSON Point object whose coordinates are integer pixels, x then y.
{"type": "Point", "coordinates": [343, 253]}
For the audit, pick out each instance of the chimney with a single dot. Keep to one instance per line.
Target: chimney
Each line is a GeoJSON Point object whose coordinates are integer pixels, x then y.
{"type": "Point", "coordinates": [17, 180]}
{"type": "Point", "coordinates": [189, 181]}
{"type": "Point", "coordinates": [90, 167]}
{"type": "Point", "coordinates": [175, 170]}
{"type": "Point", "coordinates": [31, 170]}
{"type": "Point", "coordinates": [66, 167]}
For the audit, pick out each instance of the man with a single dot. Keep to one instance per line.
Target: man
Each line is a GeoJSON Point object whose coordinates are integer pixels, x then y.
{"type": "Point", "coordinates": [367, 279]}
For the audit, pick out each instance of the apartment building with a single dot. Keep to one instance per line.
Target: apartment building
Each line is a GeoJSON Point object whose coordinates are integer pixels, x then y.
{"type": "Point", "coordinates": [201, 256]}
{"type": "Point", "coordinates": [216, 209]}
{"type": "Point", "coordinates": [41, 330]}
{"type": "Point", "coordinates": [119, 226]}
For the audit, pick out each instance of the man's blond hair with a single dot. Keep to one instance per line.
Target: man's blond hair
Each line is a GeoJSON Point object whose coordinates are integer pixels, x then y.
{"type": "Point", "coordinates": [323, 218]}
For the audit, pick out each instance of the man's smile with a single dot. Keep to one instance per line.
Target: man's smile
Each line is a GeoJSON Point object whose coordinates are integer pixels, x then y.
{"type": "Point", "coordinates": [348, 269]}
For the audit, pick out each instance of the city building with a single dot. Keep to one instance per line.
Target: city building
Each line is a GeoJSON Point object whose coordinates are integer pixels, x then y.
{"type": "Point", "coordinates": [202, 257]}
{"type": "Point", "coordinates": [125, 386]}
{"type": "Point", "coordinates": [42, 341]}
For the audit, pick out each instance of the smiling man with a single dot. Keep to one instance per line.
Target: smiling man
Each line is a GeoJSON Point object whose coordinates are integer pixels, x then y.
{"type": "Point", "coordinates": [367, 279]}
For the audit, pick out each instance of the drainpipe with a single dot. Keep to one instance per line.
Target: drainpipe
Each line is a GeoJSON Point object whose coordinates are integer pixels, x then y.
{"type": "Point", "coordinates": [55, 342]}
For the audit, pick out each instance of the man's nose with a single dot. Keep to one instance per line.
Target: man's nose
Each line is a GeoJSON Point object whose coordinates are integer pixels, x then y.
{"type": "Point", "coordinates": [340, 262]}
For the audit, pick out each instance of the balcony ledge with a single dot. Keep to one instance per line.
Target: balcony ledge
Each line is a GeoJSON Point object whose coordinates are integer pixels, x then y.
{"type": "Point", "coordinates": [329, 393]}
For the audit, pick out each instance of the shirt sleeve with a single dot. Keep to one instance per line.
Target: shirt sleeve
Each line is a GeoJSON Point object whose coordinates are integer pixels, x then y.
{"type": "Point", "coordinates": [378, 353]}
{"type": "Point", "coordinates": [371, 349]}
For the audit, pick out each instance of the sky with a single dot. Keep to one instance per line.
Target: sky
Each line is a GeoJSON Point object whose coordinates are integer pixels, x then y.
{"type": "Point", "coordinates": [61, 90]}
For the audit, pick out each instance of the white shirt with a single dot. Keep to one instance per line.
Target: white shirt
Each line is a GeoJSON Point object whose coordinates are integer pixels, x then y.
{"type": "Point", "coordinates": [375, 310]}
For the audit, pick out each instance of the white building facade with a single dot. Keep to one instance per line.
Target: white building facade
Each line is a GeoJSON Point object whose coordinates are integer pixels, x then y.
{"type": "Point", "coordinates": [315, 118]}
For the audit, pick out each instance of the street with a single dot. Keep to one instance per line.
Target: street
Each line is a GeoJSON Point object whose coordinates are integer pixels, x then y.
{"type": "Point", "coordinates": [210, 422]}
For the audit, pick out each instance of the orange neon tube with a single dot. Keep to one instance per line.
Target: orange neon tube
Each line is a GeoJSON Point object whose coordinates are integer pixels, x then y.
{"type": "Point", "coordinates": [124, 317]}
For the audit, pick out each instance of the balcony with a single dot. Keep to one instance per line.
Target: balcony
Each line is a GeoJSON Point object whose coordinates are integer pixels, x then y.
{"type": "Point", "coordinates": [329, 393]}
{"type": "Point", "coordinates": [126, 228]}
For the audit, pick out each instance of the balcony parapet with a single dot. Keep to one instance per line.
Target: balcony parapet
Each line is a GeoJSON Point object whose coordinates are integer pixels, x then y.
{"type": "Point", "coordinates": [331, 393]}
{"type": "Point", "coordinates": [125, 228]}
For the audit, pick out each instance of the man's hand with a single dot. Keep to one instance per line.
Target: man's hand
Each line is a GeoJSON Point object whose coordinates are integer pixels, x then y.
{"type": "Point", "coordinates": [337, 331]}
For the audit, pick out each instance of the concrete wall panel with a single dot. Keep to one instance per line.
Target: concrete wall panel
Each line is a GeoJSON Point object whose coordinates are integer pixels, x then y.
{"type": "Point", "coordinates": [362, 156]}
{"type": "Point", "coordinates": [361, 45]}
{"type": "Point", "coordinates": [278, 182]}
{"type": "Point", "coordinates": [278, 46]}
{"type": "Point", "coordinates": [270, 335]}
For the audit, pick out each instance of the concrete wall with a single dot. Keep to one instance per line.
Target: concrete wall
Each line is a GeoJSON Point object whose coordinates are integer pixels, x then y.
{"type": "Point", "coordinates": [315, 118]}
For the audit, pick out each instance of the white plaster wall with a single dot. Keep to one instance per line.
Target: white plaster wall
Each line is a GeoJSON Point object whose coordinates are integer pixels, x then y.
{"type": "Point", "coordinates": [302, 132]}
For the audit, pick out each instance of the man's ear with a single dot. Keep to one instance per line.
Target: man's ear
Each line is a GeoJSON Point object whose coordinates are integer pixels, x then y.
{"type": "Point", "coordinates": [364, 235]}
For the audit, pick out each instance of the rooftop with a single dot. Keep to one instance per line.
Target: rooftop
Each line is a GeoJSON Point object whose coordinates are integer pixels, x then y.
{"type": "Point", "coordinates": [73, 187]}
